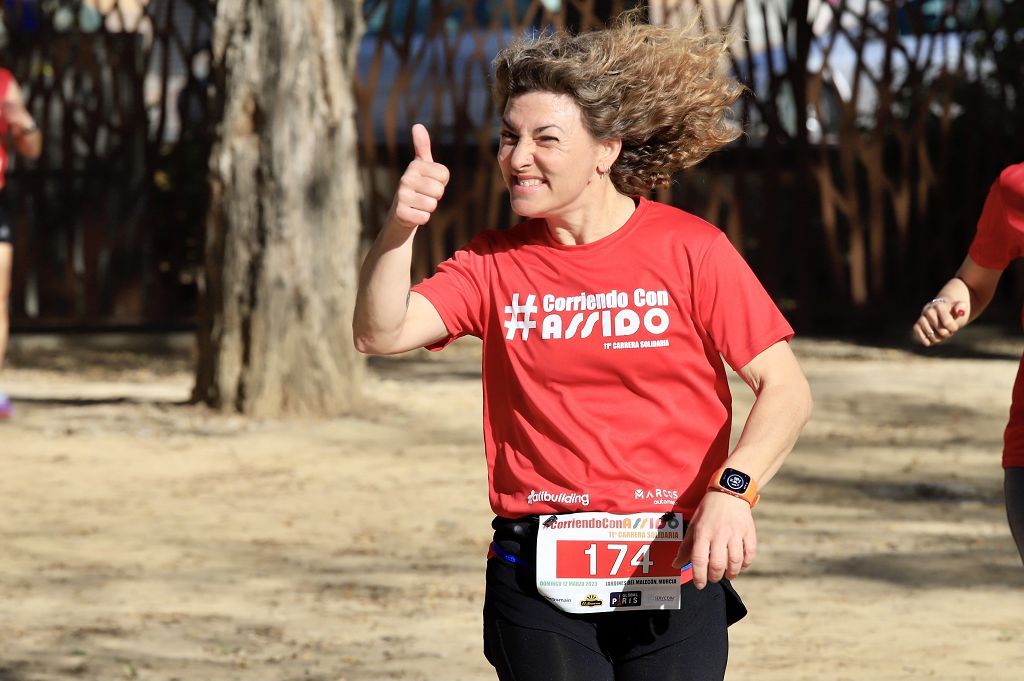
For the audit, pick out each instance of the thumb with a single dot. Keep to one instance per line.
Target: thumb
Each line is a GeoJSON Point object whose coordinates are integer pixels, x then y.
{"type": "Point", "coordinates": [421, 143]}
{"type": "Point", "coordinates": [958, 310]}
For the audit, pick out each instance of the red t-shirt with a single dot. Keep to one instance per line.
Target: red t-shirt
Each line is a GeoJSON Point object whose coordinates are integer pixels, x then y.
{"type": "Point", "coordinates": [604, 388]}
{"type": "Point", "coordinates": [6, 78]}
{"type": "Point", "coordinates": [999, 241]}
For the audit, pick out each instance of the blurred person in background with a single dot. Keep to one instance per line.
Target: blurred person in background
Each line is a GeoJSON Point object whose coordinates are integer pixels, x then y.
{"type": "Point", "coordinates": [604, 318]}
{"type": "Point", "coordinates": [18, 134]}
{"type": "Point", "coordinates": [998, 241]}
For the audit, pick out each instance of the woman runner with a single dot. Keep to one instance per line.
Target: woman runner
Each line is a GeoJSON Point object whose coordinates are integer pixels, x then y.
{"type": "Point", "coordinates": [604, 317]}
{"type": "Point", "coordinates": [999, 240]}
{"type": "Point", "coordinates": [18, 133]}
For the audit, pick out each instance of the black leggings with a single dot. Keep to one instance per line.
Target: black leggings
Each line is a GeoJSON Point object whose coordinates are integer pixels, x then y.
{"type": "Point", "coordinates": [6, 225]}
{"type": "Point", "coordinates": [522, 654]}
{"type": "Point", "coordinates": [1013, 486]}
{"type": "Point", "coordinates": [527, 639]}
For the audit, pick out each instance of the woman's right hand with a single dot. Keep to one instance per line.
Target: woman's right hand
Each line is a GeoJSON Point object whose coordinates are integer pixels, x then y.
{"type": "Point", "coordinates": [939, 321]}
{"type": "Point", "coordinates": [422, 185]}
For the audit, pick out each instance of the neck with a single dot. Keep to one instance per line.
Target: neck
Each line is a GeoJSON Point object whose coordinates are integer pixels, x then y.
{"type": "Point", "coordinates": [596, 219]}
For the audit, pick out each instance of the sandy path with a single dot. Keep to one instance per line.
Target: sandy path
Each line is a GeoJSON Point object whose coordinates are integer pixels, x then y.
{"type": "Point", "coordinates": [147, 539]}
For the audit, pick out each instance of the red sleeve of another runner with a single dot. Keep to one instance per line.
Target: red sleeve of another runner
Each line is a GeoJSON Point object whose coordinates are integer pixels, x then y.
{"type": "Point", "coordinates": [6, 77]}
{"type": "Point", "coordinates": [5, 82]}
{"type": "Point", "coordinates": [734, 308]}
{"type": "Point", "coordinates": [458, 291]}
{"type": "Point", "coordinates": [1000, 235]}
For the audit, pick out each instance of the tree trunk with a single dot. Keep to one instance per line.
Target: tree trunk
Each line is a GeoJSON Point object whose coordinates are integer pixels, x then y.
{"type": "Point", "coordinates": [283, 228]}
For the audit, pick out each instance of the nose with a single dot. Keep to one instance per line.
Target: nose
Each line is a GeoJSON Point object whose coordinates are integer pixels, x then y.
{"type": "Point", "coordinates": [521, 156]}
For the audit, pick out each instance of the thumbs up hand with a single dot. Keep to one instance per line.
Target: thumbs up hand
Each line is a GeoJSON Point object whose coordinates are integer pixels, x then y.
{"type": "Point", "coordinates": [422, 185]}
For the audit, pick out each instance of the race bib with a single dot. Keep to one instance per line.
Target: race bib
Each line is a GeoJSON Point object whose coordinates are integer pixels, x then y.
{"type": "Point", "coordinates": [599, 562]}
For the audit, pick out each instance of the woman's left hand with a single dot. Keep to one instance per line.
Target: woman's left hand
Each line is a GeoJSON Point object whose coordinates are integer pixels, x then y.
{"type": "Point", "coordinates": [720, 541]}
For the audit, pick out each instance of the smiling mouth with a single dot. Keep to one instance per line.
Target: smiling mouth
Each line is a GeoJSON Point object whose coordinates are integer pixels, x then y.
{"type": "Point", "coordinates": [526, 183]}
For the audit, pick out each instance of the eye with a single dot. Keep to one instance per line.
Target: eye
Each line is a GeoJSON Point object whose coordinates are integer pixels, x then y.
{"type": "Point", "coordinates": [548, 140]}
{"type": "Point", "coordinates": [508, 137]}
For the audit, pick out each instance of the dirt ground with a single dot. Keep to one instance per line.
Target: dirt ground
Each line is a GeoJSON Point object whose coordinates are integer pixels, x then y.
{"type": "Point", "coordinates": [148, 539]}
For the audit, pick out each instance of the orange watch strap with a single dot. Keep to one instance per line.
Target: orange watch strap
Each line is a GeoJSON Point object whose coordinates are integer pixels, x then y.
{"type": "Point", "coordinates": [744, 497]}
{"type": "Point", "coordinates": [750, 495]}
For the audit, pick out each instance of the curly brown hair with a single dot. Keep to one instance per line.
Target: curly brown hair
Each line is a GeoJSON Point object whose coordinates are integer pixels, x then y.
{"type": "Point", "coordinates": [660, 89]}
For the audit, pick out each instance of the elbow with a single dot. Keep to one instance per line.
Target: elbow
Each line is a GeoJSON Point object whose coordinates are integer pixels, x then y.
{"type": "Point", "coordinates": [369, 343]}
{"type": "Point", "coordinates": [806, 403]}
{"type": "Point", "coordinates": [362, 338]}
{"type": "Point", "coordinates": [798, 400]}
{"type": "Point", "coordinates": [366, 344]}
{"type": "Point", "coordinates": [363, 345]}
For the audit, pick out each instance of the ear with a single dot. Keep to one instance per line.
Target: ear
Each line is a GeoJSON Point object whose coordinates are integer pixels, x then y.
{"type": "Point", "coordinates": [609, 151]}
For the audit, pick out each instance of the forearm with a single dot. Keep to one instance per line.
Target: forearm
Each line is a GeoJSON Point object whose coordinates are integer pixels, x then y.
{"type": "Point", "coordinates": [387, 318]}
{"type": "Point", "coordinates": [960, 301]}
{"type": "Point", "coordinates": [974, 285]}
{"type": "Point", "coordinates": [24, 135]}
{"type": "Point", "coordinates": [383, 294]}
{"type": "Point", "coordinates": [778, 415]}
{"type": "Point", "coordinates": [722, 540]}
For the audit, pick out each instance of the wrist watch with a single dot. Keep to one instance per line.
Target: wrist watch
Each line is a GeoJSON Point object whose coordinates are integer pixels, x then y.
{"type": "Point", "coordinates": [736, 483]}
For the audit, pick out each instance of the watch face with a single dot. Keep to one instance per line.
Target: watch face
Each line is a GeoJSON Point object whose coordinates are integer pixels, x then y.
{"type": "Point", "coordinates": [734, 481]}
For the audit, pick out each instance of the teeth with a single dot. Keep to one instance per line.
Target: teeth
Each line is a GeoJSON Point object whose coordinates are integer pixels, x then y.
{"type": "Point", "coordinates": [528, 183]}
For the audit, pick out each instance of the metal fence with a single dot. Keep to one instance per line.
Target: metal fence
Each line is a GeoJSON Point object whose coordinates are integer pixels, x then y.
{"type": "Point", "coordinates": [873, 132]}
{"type": "Point", "coordinates": [108, 222]}
{"type": "Point", "coordinates": [429, 62]}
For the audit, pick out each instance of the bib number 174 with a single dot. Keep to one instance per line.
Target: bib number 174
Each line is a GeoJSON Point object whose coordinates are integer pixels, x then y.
{"type": "Point", "coordinates": [615, 560]}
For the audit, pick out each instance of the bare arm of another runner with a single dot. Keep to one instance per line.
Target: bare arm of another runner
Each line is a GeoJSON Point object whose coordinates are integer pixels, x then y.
{"type": "Point", "coordinates": [388, 317]}
{"type": "Point", "coordinates": [957, 304]}
{"type": "Point", "coordinates": [721, 540]}
{"type": "Point", "coordinates": [26, 138]}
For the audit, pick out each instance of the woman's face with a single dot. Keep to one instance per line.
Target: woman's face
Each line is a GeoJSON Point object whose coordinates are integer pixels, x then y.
{"type": "Point", "coordinates": [547, 157]}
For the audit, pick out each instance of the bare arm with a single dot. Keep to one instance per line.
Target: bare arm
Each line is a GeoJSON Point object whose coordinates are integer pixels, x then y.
{"type": "Point", "coordinates": [721, 540]}
{"type": "Point", "coordinates": [957, 304]}
{"type": "Point", "coordinates": [25, 136]}
{"type": "Point", "coordinates": [781, 408]}
{"type": "Point", "coordinates": [388, 317]}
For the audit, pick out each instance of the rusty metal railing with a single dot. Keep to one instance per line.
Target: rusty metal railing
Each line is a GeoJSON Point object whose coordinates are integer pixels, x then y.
{"type": "Point", "coordinates": [109, 219]}
{"type": "Point", "coordinates": [873, 130]}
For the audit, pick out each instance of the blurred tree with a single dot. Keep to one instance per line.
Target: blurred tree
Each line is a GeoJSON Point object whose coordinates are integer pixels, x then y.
{"type": "Point", "coordinates": [282, 232]}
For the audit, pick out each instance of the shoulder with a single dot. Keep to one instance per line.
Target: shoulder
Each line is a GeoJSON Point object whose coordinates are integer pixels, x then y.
{"type": "Point", "coordinates": [1011, 180]}
{"type": "Point", "coordinates": [679, 222]}
{"type": "Point", "coordinates": [1008, 195]}
{"type": "Point", "coordinates": [678, 228]}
